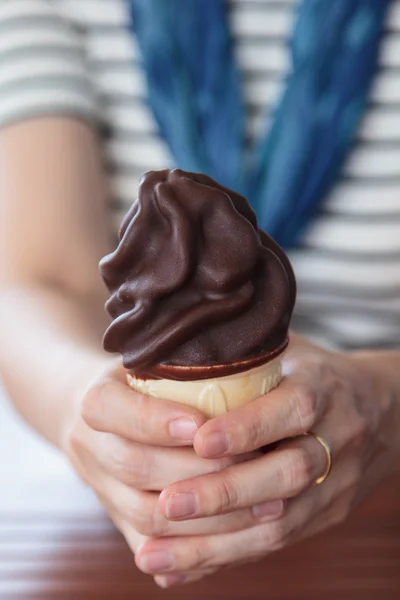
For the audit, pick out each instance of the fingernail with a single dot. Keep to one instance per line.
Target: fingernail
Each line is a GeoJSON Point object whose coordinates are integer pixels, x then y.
{"type": "Point", "coordinates": [183, 429]}
{"type": "Point", "coordinates": [167, 580]}
{"type": "Point", "coordinates": [215, 444]}
{"type": "Point", "coordinates": [157, 562]}
{"type": "Point", "coordinates": [268, 509]}
{"type": "Point", "coordinates": [179, 506]}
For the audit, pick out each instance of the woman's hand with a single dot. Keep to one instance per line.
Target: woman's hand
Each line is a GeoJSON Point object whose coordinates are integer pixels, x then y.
{"type": "Point", "coordinates": [338, 397]}
{"type": "Point", "coordinates": [128, 447]}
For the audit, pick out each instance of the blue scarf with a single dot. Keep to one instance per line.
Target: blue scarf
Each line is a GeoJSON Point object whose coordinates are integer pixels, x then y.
{"type": "Point", "coordinates": [195, 93]}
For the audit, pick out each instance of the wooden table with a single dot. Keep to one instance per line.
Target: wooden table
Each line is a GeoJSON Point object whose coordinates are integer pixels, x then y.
{"type": "Point", "coordinates": [57, 544]}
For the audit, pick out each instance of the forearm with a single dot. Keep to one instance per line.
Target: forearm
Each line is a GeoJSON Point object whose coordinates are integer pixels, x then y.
{"type": "Point", "coordinates": [54, 230]}
{"type": "Point", "coordinates": [50, 344]}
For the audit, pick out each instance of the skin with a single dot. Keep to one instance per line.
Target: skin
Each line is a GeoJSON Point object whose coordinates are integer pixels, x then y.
{"type": "Point", "coordinates": [142, 455]}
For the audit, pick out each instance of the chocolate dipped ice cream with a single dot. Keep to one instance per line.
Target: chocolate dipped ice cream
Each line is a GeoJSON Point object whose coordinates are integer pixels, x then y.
{"type": "Point", "coordinates": [201, 299]}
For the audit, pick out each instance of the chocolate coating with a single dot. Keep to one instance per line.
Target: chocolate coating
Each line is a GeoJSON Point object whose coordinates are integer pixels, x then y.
{"type": "Point", "coordinates": [193, 281]}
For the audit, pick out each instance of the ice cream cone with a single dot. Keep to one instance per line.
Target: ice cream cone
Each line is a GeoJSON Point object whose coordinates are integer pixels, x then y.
{"type": "Point", "coordinates": [215, 395]}
{"type": "Point", "coordinates": [201, 312]}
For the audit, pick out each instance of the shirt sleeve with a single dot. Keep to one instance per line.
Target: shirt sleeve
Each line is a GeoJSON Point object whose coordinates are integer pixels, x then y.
{"type": "Point", "coordinates": [43, 69]}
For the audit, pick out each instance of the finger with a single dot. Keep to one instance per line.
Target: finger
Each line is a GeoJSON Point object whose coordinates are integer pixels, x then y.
{"type": "Point", "coordinates": [261, 484]}
{"type": "Point", "coordinates": [153, 468]}
{"type": "Point", "coordinates": [304, 515]}
{"type": "Point", "coordinates": [111, 406]}
{"type": "Point", "coordinates": [180, 555]}
{"type": "Point", "coordinates": [336, 498]}
{"type": "Point", "coordinates": [174, 579]}
{"type": "Point", "coordinates": [316, 510]}
{"type": "Point", "coordinates": [290, 410]}
{"type": "Point", "coordinates": [133, 538]}
{"type": "Point", "coordinates": [141, 511]}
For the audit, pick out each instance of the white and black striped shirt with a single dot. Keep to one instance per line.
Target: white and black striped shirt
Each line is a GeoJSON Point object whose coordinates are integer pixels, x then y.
{"type": "Point", "coordinates": [78, 57]}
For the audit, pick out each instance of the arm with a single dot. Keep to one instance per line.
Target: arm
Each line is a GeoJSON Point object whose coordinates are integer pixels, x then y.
{"type": "Point", "coordinates": [54, 231]}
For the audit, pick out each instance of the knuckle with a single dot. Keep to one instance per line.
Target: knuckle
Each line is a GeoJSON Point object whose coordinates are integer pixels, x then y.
{"type": "Point", "coordinates": [75, 448]}
{"type": "Point", "coordinates": [350, 484]}
{"type": "Point", "coordinates": [92, 405]}
{"type": "Point", "coordinates": [305, 405]}
{"type": "Point", "coordinates": [297, 471]}
{"type": "Point", "coordinates": [338, 517]}
{"type": "Point", "coordinates": [89, 407]}
{"type": "Point", "coordinates": [202, 557]}
{"type": "Point", "coordinates": [316, 365]}
{"type": "Point", "coordinates": [340, 513]}
{"type": "Point", "coordinates": [324, 372]}
{"type": "Point", "coordinates": [145, 518]}
{"type": "Point", "coordinates": [254, 432]}
{"type": "Point", "coordinates": [276, 536]}
{"type": "Point", "coordinates": [72, 442]}
{"type": "Point", "coordinates": [360, 430]}
{"type": "Point", "coordinates": [219, 464]}
{"type": "Point", "coordinates": [228, 493]}
{"type": "Point", "coordinates": [130, 465]}
{"type": "Point", "coordinates": [132, 537]}
{"type": "Point", "coordinates": [355, 474]}
{"type": "Point", "coordinates": [144, 420]}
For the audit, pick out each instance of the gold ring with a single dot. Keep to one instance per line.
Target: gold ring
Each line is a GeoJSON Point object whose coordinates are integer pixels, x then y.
{"type": "Point", "coordinates": [328, 453]}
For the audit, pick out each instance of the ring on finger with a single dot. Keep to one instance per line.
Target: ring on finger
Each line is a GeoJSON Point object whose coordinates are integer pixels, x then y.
{"type": "Point", "coordinates": [328, 454]}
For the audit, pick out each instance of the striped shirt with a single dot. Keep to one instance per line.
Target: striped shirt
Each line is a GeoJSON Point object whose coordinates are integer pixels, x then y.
{"type": "Point", "coordinates": [78, 57]}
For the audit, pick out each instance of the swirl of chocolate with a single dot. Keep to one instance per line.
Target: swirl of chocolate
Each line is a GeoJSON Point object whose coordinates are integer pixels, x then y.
{"type": "Point", "coordinates": [193, 281]}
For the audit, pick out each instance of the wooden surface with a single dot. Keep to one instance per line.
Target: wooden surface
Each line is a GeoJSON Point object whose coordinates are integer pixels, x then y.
{"type": "Point", "coordinates": [56, 543]}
